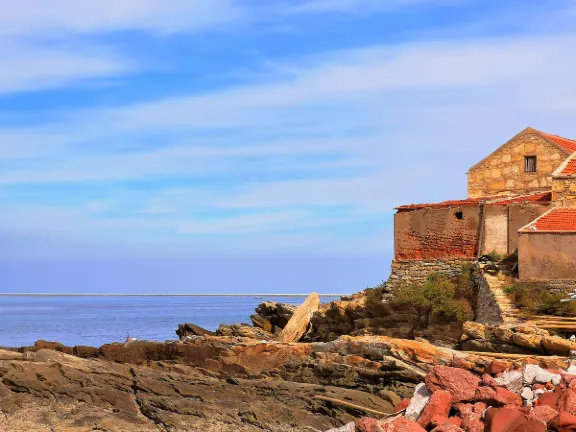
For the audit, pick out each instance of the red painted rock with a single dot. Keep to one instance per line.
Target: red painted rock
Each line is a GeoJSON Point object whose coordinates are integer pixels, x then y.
{"type": "Point", "coordinates": [566, 401]}
{"type": "Point", "coordinates": [439, 404]}
{"type": "Point", "coordinates": [549, 399]}
{"type": "Point", "coordinates": [402, 425]}
{"type": "Point", "coordinates": [367, 424]}
{"type": "Point", "coordinates": [506, 397]}
{"type": "Point", "coordinates": [544, 413]}
{"type": "Point", "coordinates": [402, 405]}
{"type": "Point", "coordinates": [507, 420]}
{"type": "Point", "coordinates": [460, 383]}
{"type": "Point", "coordinates": [499, 366]}
{"type": "Point", "coordinates": [564, 422]}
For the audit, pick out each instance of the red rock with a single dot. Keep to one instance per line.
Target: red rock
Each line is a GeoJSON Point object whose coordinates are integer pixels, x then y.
{"type": "Point", "coordinates": [506, 397]}
{"type": "Point", "coordinates": [549, 399]}
{"type": "Point", "coordinates": [479, 407]}
{"type": "Point", "coordinates": [508, 420]}
{"type": "Point", "coordinates": [367, 424]}
{"type": "Point", "coordinates": [566, 401]}
{"type": "Point", "coordinates": [498, 366]}
{"type": "Point", "coordinates": [402, 425]}
{"type": "Point", "coordinates": [564, 422]}
{"type": "Point", "coordinates": [402, 405]}
{"type": "Point", "coordinates": [447, 427]}
{"type": "Point", "coordinates": [460, 383]}
{"type": "Point", "coordinates": [538, 386]}
{"type": "Point", "coordinates": [568, 378]}
{"type": "Point", "coordinates": [488, 381]}
{"type": "Point", "coordinates": [486, 395]}
{"type": "Point", "coordinates": [544, 413]}
{"type": "Point", "coordinates": [471, 421]}
{"type": "Point", "coordinates": [550, 386]}
{"type": "Point", "coordinates": [439, 404]}
{"type": "Point", "coordinates": [438, 420]}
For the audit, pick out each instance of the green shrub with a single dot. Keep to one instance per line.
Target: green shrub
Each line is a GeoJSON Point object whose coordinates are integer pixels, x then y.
{"type": "Point", "coordinates": [495, 256]}
{"type": "Point", "coordinates": [534, 298]}
{"type": "Point", "coordinates": [440, 298]}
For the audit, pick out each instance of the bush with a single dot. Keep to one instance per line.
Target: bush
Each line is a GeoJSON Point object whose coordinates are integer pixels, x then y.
{"type": "Point", "coordinates": [440, 298]}
{"type": "Point", "coordinates": [495, 256]}
{"type": "Point", "coordinates": [534, 298]}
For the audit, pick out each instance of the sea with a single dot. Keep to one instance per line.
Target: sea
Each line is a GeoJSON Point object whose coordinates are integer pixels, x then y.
{"type": "Point", "coordinates": [95, 321]}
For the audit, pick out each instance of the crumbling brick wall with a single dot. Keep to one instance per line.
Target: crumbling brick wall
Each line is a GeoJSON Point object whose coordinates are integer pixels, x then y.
{"type": "Point", "coordinates": [431, 233]}
{"type": "Point", "coordinates": [503, 171]}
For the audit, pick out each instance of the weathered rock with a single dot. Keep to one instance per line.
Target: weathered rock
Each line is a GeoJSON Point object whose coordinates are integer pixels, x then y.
{"type": "Point", "coordinates": [350, 427]}
{"type": "Point", "coordinates": [447, 427]}
{"type": "Point", "coordinates": [506, 397]}
{"type": "Point", "coordinates": [564, 422]}
{"type": "Point", "coordinates": [403, 425]}
{"type": "Point", "coordinates": [439, 405]}
{"type": "Point", "coordinates": [474, 330]}
{"type": "Point", "coordinates": [549, 399]}
{"type": "Point", "coordinates": [543, 376]}
{"type": "Point", "coordinates": [245, 331]}
{"type": "Point", "coordinates": [263, 323]}
{"type": "Point", "coordinates": [460, 383]}
{"type": "Point", "coordinates": [418, 402]}
{"type": "Point", "coordinates": [567, 401]}
{"type": "Point", "coordinates": [511, 380]}
{"type": "Point", "coordinates": [509, 420]}
{"type": "Point", "coordinates": [185, 330]}
{"type": "Point", "coordinates": [367, 424]}
{"type": "Point", "coordinates": [544, 413]}
{"type": "Point", "coordinates": [471, 420]}
{"type": "Point", "coordinates": [557, 345]}
{"type": "Point", "coordinates": [390, 396]}
{"type": "Point", "coordinates": [530, 341]}
{"type": "Point", "coordinates": [298, 324]}
{"type": "Point", "coordinates": [277, 314]}
{"type": "Point", "coordinates": [499, 366]}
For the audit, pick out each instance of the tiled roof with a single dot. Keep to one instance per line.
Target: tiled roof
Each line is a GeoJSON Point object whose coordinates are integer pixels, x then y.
{"type": "Point", "coordinates": [558, 220]}
{"type": "Point", "coordinates": [567, 144]}
{"type": "Point", "coordinates": [568, 168]}
{"type": "Point", "coordinates": [539, 198]}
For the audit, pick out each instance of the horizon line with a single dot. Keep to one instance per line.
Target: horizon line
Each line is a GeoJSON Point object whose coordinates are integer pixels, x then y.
{"type": "Point", "coordinates": [156, 295]}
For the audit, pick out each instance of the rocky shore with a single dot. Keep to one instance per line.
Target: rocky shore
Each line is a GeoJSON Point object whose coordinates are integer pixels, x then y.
{"type": "Point", "coordinates": [337, 367]}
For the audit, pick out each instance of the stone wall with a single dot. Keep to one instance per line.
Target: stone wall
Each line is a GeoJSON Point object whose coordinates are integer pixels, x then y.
{"type": "Point", "coordinates": [416, 271]}
{"type": "Point", "coordinates": [503, 171]}
{"type": "Point", "coordinates": [488, 309]}
{"type": "Point", "coordinates": [564, 191]}
{"type": "Point", "coordinates": [436, 233]}
{"type": "Point", "coordinates": [547, 255]}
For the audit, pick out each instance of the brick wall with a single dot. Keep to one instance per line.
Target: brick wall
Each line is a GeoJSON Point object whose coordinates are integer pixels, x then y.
{"type": "Point", "coordinates": [436, 233]}
{"type": "Point", "coordinates": [564, 191]}
{"type": "Point", "coordinates": [503, 171]}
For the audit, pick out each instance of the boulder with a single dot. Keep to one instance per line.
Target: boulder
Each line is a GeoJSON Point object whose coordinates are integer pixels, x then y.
{"type": "Point", "coordinates": [471, 420]}
{"type": "Point", "coordinates": [506, 397]}
{"type": "Point", "coordinates": [263, 323]}
{"type": "Point", "coordinates": [474, 330]}
{"type": "Point", "coordinates": [564, 422]}
{"type": "Point", "coordinates": [566, 401]}
{"type": "Point", "coordinates": [549, 399]}
{"type": "Point", "coordinates": [530, 341]}
{"type": "Point", "coordinates": [188, 329]}
{"type": "Point", "coordinates": [245, 331]}
{"type": "Point", "coordinates": [367, 424]}
{"type": "Point", "coordinates": [460, 383]}
{"type": "Point", "coordinates": [298, 324]}
{"type": "Point", "coordinates": [277, 314]}
{"type": "Point", "coordinates": [438, 405]}
{"type": "Point", "coordinates": [557, 345]}
{"type": "Point", "coordinates": [499, 366]}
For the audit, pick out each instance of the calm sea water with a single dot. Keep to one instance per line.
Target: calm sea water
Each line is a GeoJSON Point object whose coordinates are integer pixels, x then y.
{"type": "Point", "coordinates": [95, 321]}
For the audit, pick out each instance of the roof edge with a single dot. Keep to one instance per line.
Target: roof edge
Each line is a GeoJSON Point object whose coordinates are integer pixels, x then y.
{"type": "Point", "coordinates": [525, 228]}
{"type": "Point", "coordinates": [558, 172]}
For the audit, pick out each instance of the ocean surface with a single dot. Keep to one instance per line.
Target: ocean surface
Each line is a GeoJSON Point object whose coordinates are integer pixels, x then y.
{"type": "Point", "coordinates": [95, 321]}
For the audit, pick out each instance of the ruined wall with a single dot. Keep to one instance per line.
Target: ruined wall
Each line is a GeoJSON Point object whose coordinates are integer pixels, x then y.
{"type": "Point", "coordinates": [519, 217]}
{"type": "Point", "coordinates": [436, 233]}
{"type": "Point", "coordinates": [410, 271]}
{"type": "Point", "coordinates": [544, 256]}
{"type": "Point", "coordinates": [564, 191]}
{"type": "Point", "coordinates": [488, 309]}
{"type": "Point", "coordinates": [503, 171]}
{"type": "Point", "coordinates": [495, 230]}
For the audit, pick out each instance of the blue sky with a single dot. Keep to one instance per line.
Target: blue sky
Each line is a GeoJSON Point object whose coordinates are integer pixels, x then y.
{"type": "Point", "coordinates": [157, 132]}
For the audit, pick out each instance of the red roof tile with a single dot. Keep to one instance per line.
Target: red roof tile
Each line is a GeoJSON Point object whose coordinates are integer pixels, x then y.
{"type": "Point", "coordinates": [559, 219]}
{"type": "Point", "coordinates": [539, 198]}
{"type": "Point", "coordinates": [567, 144]}
{"type": "Point", "coordinates": [568, 168]}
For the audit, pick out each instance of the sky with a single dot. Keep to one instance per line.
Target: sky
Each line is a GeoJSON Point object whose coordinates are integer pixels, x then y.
{"type": "Point", "coordinates": [252, 145]}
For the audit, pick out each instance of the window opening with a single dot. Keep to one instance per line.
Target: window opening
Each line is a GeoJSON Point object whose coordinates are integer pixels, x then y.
{"type": "Point", "coordinates": [530, 164]}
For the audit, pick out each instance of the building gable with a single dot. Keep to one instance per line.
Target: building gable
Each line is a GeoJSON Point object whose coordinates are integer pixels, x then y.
{"type": "Point", "coordinates": [523, 165]}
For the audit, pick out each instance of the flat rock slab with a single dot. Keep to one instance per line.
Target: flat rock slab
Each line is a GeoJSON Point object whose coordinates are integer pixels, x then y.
{"type": "Point", "coordinates": [298, 324]}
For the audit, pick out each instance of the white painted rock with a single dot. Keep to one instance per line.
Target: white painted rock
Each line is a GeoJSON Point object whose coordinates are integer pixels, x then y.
{"type": "Point", "coordinates": [572, 370]}
{"type": "Point", "coordinates": [418, 402]}
{"type": "Point", "coordinates": [511, 381]}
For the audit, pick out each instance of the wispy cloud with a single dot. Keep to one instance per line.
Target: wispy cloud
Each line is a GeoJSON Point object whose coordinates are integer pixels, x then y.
{"type": "Point", "coordinates": [361, 6]}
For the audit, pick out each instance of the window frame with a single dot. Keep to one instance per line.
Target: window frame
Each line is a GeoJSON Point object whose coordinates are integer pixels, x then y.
{"type": "Point", "coordinates": [527, 162]}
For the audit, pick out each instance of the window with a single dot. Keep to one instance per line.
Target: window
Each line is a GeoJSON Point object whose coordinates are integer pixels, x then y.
{"type": "Point", "coordinates": [459, 215]}
{"type": "Point", "coordinates": [529, 163]}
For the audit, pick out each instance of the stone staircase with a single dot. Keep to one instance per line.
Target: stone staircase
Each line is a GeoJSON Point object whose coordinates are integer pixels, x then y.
{"type": "Point", "coordinates": [496, 305]}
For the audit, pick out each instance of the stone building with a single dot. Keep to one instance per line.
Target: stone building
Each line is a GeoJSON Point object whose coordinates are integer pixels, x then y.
{"type": "Point", "coordinates": [518, 188]}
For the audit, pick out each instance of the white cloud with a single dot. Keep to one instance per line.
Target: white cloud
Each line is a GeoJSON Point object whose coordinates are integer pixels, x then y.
{"type": "Point", "coordinates": [36, 66]}
{"type": "Point", "coordinates": [33, 17]}
{"type": "Point", "coordinates": [360, 6]}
